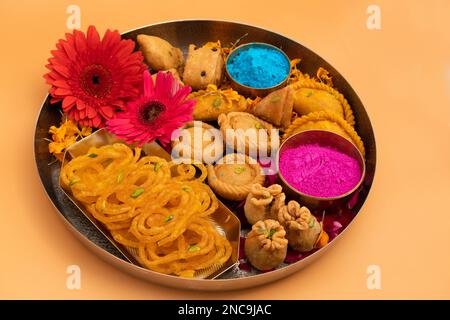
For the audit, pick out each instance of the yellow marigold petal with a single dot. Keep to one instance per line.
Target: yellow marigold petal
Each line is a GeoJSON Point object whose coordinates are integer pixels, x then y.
{"type": "Point", "coordinates": [324, 76]}
{"type": "Point", "coordinates": [295, 62]}
{"type": "Point", "coordinates": [71, 128]}
{"type": "Point", "coordinates": [53, 130]}
{"type": "Point", "coordinates": [252, 102]}
{"type": "Point", "coordinates": [85, 131]}
{"type": "Point", "coordinates": [60, 134]}
{"type": "Point", "coordinates": [213, 44]}
{"type": "Point", "coordinates": [64, 136]}
{"type": "Point", "coordinates": [70, 141]}
{"type": "Point", "coordinates": [59, 156]}
{"type": "Point", "coordinates": [211, 87]}
{"type": "Point", "coordinates": [56, 147]}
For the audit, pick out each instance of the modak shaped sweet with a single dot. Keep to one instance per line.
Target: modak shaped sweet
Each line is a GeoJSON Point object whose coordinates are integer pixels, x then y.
{"type": "Point", "coordinates": [304, 232]}
{"type": "Point", "coordinates": [263, 202]}
{"type": "Point", "coordinates": [265, 245]}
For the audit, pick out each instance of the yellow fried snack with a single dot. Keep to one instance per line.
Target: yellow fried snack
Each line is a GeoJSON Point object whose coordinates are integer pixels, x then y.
{"type": "Point", "coordinates": [311, 95]}
{"type": "Point", "coordinates": [329, 121]}
{"type": "Point", "coordinates": [159, 208]}
{"type": "Point", "coordinates": [197, 248]}
{"type": "Point", "coordinates": [213, 101]}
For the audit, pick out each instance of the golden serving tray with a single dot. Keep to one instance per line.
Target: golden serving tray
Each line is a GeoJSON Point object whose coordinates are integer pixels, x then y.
{"type": "Point", "coordinates": [181, 34]}
{"type": "Point", "coordinates": [225, 222]}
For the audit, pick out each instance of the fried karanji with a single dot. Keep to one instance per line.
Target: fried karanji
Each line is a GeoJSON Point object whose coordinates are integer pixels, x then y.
{"type": "Point", "coordinates": [159, 208]}
{"type": "Point", "coordinates": [212, 102]}
{"type": "Point", "coordinates": [329, 121]}
{"type": "Point", "coordinates": [317, 94]}
{"type": "Point", "coordinates": [242, 133]}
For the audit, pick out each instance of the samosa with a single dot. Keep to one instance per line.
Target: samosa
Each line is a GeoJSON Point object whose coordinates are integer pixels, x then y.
{"type": "Point", "coordinates": [276, 107]}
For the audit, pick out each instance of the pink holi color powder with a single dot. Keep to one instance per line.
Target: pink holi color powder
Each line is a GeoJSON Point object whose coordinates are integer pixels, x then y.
{"type": "Point", "coordinates": [319, 170]}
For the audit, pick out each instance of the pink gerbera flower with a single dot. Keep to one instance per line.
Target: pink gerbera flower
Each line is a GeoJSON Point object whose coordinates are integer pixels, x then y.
{"type": "Point", "coordinates": [162, 109]}
{"type": "Point", "coordinates": [94, 77]}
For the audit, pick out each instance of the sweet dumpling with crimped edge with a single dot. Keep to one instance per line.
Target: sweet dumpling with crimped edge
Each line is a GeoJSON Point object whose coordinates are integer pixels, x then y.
{"type": "Point", "coordinates": [328, 121]}
{"type": "Point", "coordinates": [233, 175]}
{"type": "Point", "coordinates": [263, 202]}
{"type": "Point", "coordinates": [266, 245]}
{"type": "Point", "coordinates": [212, 102]}
{"type": "Point", "coordinates": [311, 95]}
{"type": "Point", "coordinates": [304, 232]}
{"type": "Point", "coordinates": [159, 54]}
{"type": "Point", "coordinates": [204, 66]}
{"type": "Point", "coordinates": [234, 125]}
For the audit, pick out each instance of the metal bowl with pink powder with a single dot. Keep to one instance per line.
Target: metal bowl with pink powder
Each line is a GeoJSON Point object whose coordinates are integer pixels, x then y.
{"type": "Point", "coordinates": [320, 168]}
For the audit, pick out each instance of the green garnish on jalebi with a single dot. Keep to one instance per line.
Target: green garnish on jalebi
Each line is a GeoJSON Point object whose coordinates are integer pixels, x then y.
{"type": "Point", "coordinates": [157, 166]}
{"type": "Point", "coordinates": [186, 188]}
{"type": "Point", "coordinates": [194, 248]}
{"type": "Point", "coordinates": [92, 155]}
{"type": "Point", "coordinates": [311, 222]}
{"type": "Point", "coordinates": [258, 126]}
{"type": "Point", "coordinates": [136, 193]}
{"type": "Point", "coordinates": [168, 218]}
{"type": "Point", "coordinates": [239, 170]}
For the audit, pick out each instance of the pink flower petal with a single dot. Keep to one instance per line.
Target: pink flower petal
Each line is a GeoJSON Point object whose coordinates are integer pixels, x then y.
{"type": "Point", "coordinates": [149, 89]}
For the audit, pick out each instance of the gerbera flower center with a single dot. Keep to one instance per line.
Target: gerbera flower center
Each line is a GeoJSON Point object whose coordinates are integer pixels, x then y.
{"type": "Point", "coordinates": [96, 81]}
{"type": "Point", "coordinates": [150, 111]}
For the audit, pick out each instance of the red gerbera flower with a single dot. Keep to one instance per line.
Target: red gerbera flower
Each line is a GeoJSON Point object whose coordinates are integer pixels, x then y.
{"type": "Point", "coordinates": [162, 109]}
{"type": "Point", "coordinates": [94, 77]}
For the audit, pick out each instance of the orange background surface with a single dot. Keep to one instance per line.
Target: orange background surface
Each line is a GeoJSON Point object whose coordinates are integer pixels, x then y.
{"type": "Point", "coordinates": [401, 73]}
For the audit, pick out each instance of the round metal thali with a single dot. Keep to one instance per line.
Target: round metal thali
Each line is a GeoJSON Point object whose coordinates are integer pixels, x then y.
{"type": "Point", "coordinates": [181, 34]}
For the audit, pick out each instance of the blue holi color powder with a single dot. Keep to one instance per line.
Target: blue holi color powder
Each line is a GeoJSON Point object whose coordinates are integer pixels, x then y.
{"type": "Point", "coordinates": [258, 67]}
